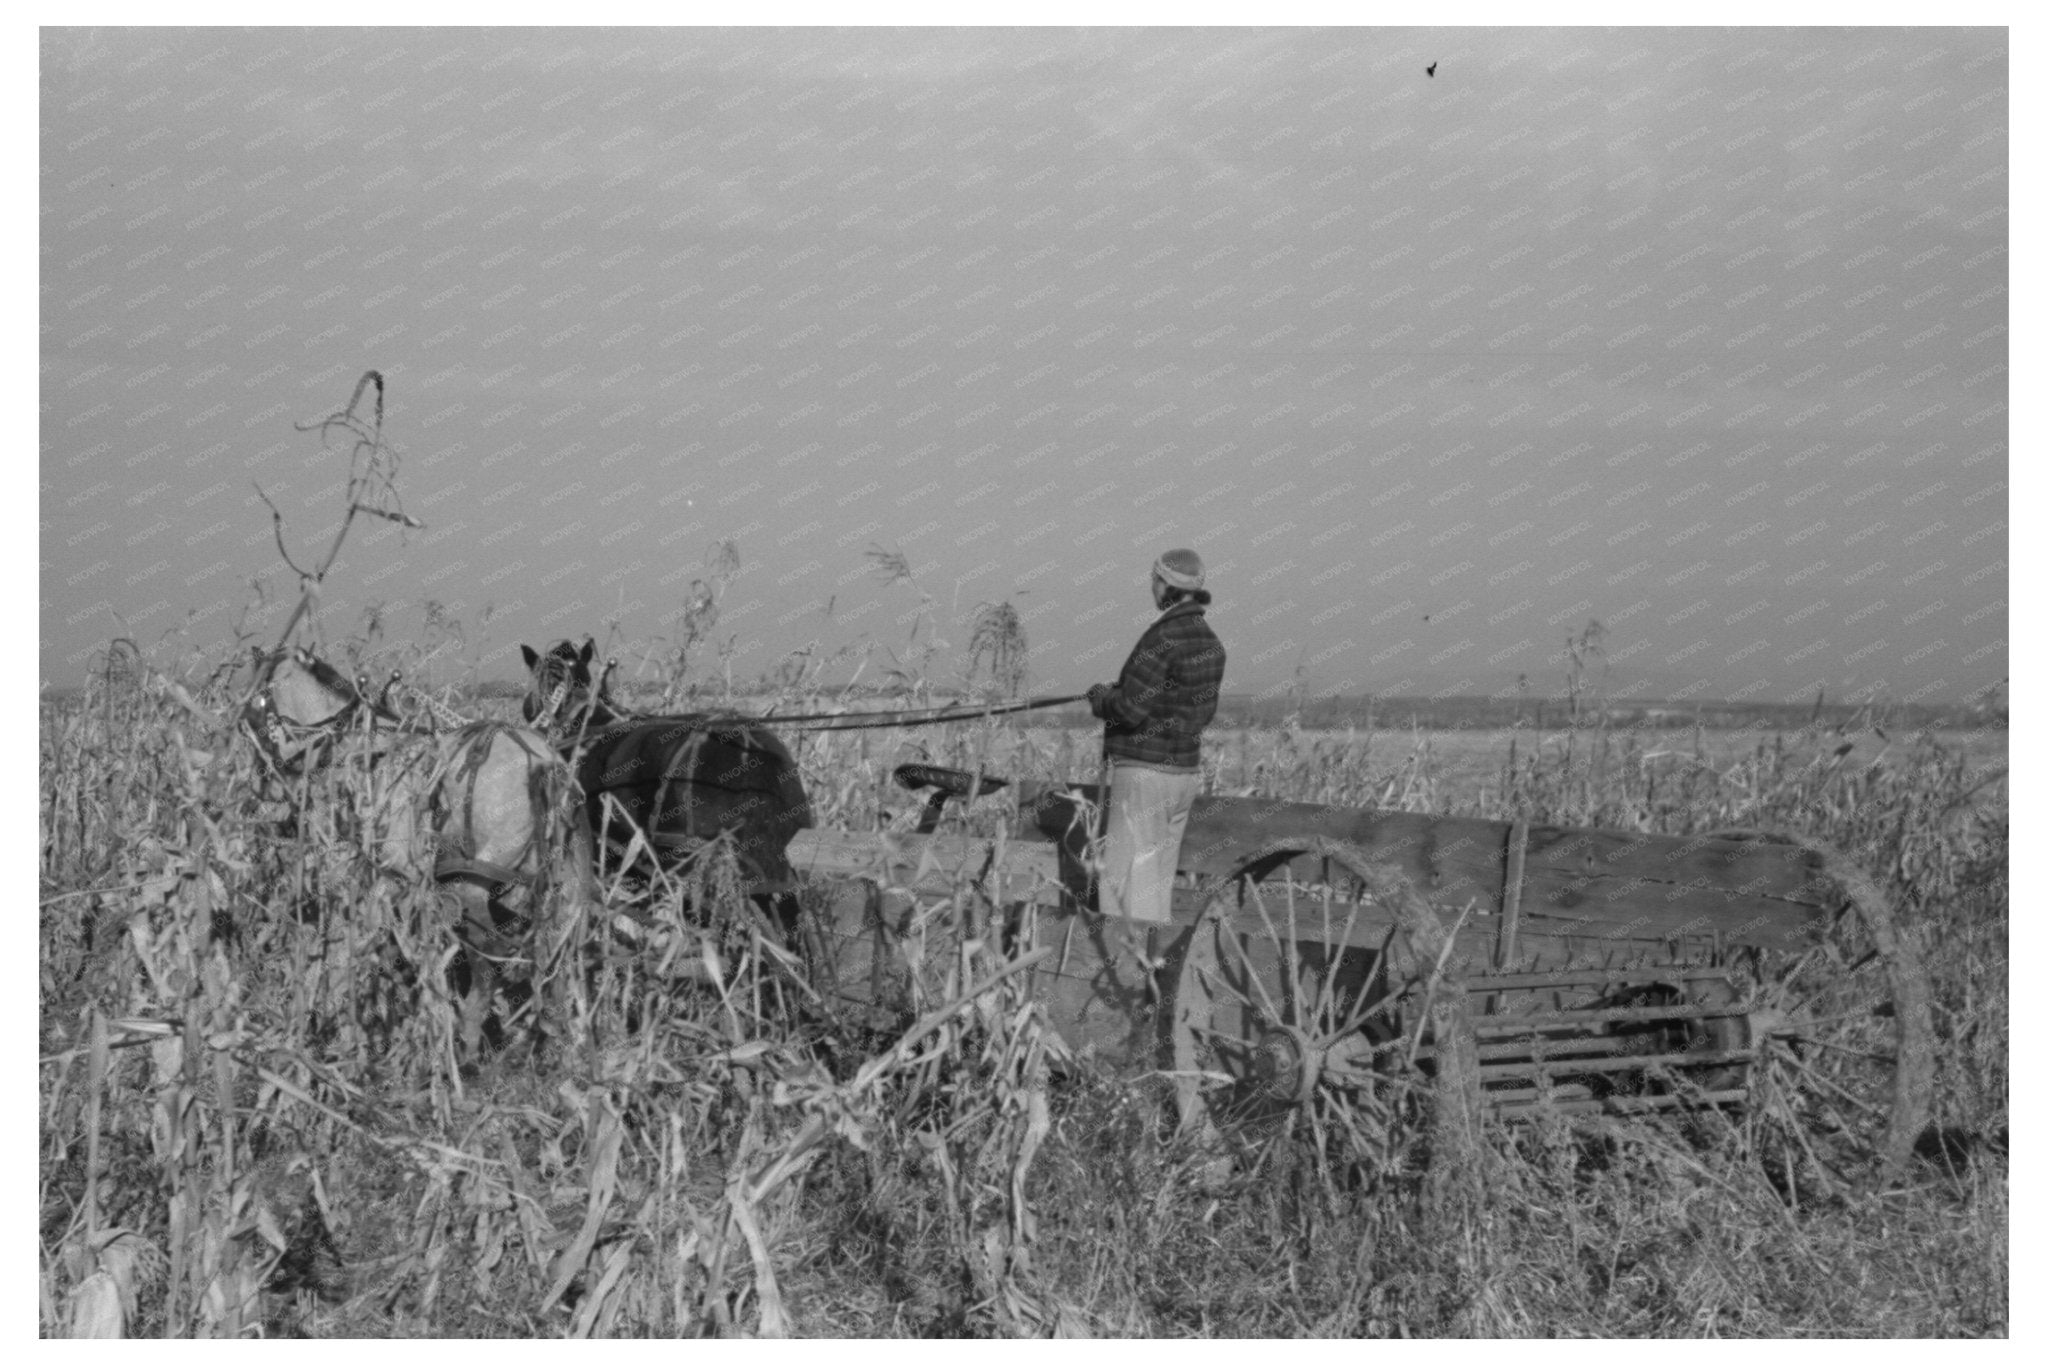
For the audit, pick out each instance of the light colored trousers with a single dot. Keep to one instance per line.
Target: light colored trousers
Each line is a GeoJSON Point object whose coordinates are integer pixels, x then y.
{"type": "Point", "coordinates": [1148, 814]}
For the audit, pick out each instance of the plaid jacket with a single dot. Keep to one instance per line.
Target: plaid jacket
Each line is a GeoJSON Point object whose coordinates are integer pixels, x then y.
{"type": "Point", "coordinates": [1167, 692]}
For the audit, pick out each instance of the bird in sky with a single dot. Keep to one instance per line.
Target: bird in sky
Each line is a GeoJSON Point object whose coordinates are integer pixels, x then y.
{"type": "Point", "coordinates": [1430, 71]}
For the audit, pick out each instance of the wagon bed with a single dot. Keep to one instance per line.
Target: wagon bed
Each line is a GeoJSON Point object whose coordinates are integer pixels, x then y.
{"type": "Point", "coordinates": [1596, 970]}
{"type": "Point", "coordinates": [1542, 898]}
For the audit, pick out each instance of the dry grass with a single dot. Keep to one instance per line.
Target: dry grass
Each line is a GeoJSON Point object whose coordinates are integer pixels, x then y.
{"type": "Point", "coordinates": [253, 1118]}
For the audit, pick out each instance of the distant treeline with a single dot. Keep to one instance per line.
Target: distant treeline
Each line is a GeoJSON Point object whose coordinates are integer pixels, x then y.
{"type": "Point", "coordinates": [1491, 713]}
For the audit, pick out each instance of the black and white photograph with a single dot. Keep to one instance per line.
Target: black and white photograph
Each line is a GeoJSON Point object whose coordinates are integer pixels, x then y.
{"type": "Point", "coordinates": [1023, 680]}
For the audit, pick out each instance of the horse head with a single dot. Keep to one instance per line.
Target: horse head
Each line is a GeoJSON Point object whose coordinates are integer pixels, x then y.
{"type": "Point", "coordinates": [564, 697]}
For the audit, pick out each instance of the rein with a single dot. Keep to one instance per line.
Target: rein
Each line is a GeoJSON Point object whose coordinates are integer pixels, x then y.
{"type": "Point", "coordinates": [563, 664]}
{"type": "Point", "coordinates": [857, 720]}
{"type": "Point", "coordinates": [882, 720]}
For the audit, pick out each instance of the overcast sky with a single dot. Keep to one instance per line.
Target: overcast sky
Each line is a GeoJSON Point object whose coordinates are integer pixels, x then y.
{"type": "Point", "coordinates": [1701, 334]}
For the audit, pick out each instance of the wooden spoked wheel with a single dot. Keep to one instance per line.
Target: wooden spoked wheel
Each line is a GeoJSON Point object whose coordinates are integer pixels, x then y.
{"type": "Point", "coordinates": [1843, 1039]}
{"type": "Point", "coordinates": [1279, 1017]}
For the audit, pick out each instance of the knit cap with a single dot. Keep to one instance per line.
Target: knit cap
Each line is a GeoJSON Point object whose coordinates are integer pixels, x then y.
{"type": "Point", "coordinates": [1179, 569]}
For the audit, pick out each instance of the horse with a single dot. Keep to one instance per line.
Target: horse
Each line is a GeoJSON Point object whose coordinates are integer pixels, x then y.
{"type": "Point", "coordinates": [480, 807]}
{"type": "Point", "coordinates": [674, 782]}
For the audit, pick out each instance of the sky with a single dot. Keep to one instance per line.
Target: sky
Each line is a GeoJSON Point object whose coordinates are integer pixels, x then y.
{"type": "Point", "coordinates": [1699, 334]}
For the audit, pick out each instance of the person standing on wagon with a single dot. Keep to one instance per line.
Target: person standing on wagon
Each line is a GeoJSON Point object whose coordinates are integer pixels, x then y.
{"type": "Point", "coordinates": [1153, 716]}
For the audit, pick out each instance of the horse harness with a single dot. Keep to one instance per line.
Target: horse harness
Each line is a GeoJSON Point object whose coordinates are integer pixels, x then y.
{"type": "Point", "coordinates": [287, 746]}
{"type": "Point", "coordinates": [455, 863]}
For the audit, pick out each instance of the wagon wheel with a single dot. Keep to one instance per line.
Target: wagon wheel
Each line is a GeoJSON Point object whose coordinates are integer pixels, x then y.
{"type": "Point", "coordinates": [1843, 1077]}
{"type": "Point", "coordinates": [1280, 1016]}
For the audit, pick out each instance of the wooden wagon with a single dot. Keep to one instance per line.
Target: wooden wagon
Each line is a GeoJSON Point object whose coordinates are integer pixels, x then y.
{"type": "Point", "coordinates": [1320, 959]}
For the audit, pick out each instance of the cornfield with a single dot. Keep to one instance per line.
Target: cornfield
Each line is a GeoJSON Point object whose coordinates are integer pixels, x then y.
{"type": "Point", "coordinates": [256, 1119]}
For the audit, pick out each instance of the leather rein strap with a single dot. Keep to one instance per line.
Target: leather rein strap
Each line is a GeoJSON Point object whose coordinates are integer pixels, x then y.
{"type": "Point", "coordinates": [859, 720]}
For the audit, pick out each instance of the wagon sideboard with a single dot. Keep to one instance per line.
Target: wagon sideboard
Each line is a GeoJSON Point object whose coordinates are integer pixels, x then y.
{"type": "Point", "coordinates": [1535, 898]}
